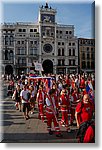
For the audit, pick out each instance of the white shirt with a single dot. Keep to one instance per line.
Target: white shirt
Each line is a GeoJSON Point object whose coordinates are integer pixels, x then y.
{"type": "Point", "coordinates": [26, 81]}
{"type": "Point", "coordinates": [24, 95]}
{"type": "Point", "coordinates": [48, 103]}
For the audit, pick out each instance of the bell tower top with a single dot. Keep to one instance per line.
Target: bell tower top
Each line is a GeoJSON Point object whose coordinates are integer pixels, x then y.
{"type": "Point", "coordinates": [46, 6]}
{"type": "Point", "coordinates": [47, 14]}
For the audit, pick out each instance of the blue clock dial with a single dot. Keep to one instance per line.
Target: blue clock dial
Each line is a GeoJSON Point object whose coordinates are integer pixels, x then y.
{"type": "Point", "coordinates": [48, 18]}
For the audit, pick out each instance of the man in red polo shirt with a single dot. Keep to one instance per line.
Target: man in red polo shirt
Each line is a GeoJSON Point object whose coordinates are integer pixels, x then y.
{"type": "Point", "coordinates": [83, 114]}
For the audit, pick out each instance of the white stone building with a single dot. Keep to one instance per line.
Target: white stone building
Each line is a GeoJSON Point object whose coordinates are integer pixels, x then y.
{"type": "Point", "coordinates": [54, 45]}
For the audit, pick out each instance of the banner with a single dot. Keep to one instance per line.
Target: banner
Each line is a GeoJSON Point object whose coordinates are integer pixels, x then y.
{"type": "Point", "coordinates": [38, 66]}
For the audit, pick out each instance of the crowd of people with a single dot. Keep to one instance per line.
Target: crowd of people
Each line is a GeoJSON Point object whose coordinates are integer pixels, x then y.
{"type": "Point", "coordinates": [61, 99]}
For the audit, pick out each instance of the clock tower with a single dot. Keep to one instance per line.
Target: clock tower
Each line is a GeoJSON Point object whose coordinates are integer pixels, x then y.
{"type": "Point", "coordinates": [47, 14]}
{"type": "Point", "coordinates": [47, 30]}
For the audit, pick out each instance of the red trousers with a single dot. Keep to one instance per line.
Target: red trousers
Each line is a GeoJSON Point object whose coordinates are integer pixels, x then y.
{"type": "Point", "coordinates": [51, 117]}
{"type": "Point", "coordinates": [41, 111]}
{"type": "Point", "coordinates": [64, 119]}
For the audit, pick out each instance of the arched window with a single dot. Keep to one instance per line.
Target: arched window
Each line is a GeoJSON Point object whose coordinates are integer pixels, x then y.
{"type": "Point", "coordinates": [21, 51]}
{"type": "Point", "coordinates": [73, 52]}
{"type": "Point", "coordinates": [33, 51]}
{"type": "Point", "coordinates": [83, 55]}
{"type": "Point", "coordinates": [11, 55]}
{"type": "Point", "coordinates": [88, 65]}
{"type": "Point", "coordinates": [88, 56]}
{"type": "Point", "coordinates": [69, 52]}
{"type": "Point", "coordinates": [92, 56]}
{"type": "Point", "coordinates": [59, 52]}
{"type": "Point", "coordinates": [6, 40]}
{"type": "Point", "coordinates": [11, 40]}
{"type": "Point", "coordinates": [6, 54]}
{"type": "Point", "coordinates": [62, 51]}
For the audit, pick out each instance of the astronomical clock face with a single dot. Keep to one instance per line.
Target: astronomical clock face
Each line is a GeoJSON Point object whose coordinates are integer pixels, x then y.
{"type": "Point", "coordinates": [48, 48]}
{"type": "Point", "coordinates": [47, 18]}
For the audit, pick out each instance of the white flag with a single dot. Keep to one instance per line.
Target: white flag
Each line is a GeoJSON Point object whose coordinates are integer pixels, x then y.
{"type": "Point", "coordinates": [38, 66]}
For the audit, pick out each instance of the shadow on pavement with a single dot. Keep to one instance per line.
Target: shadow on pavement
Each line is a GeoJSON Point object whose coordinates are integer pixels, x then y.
{"type": "Point", "coordinates": [37, 138]}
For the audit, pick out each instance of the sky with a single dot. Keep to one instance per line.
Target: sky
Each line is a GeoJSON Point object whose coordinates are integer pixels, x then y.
{"type": "Point", "coordinates": [80, 14]}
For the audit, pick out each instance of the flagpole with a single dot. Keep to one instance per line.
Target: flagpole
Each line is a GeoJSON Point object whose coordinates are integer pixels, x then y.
{"type": "Point", "coordinates": [40, 72]}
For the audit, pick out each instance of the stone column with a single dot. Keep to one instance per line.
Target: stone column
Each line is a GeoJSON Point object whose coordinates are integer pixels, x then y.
{"type": "Point", "coordinates": [55, 52]}
{"type": "Point", "coordinates": [40, 38]}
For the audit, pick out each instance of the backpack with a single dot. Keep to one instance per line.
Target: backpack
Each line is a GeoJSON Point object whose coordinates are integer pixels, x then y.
{"type": "Point", "coordinates": [82, 130]}
{"type": "Point", "coordinates": [83, 127]}
{"type": "Point", "coordinates": [93, 126]}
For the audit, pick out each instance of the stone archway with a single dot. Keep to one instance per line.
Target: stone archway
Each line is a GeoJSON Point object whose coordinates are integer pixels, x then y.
{"type": "Point", "coordinates": [8, 69]}
{"type": "Point", "coordinates": [48, 66]}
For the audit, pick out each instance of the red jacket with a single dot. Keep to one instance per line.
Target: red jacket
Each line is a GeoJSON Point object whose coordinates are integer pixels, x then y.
{"type": "Point", "coordinates": [75, 96]}
{"type": "Point", "coordinates": [64, 100]}
{"type": "Point", "coordinates": [82, 83]}
{"type": "Point", "coordinates": [40, 97]}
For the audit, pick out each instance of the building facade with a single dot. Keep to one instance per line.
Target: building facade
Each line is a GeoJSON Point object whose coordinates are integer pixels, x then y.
{"type": "Point", "coordinates": [86, 54]}
{"type": "Point", "coordinates": [53, 45]}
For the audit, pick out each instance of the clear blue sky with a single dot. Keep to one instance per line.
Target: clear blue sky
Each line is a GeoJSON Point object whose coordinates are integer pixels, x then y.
{"type": "Point", "coordinates": [78, 14]}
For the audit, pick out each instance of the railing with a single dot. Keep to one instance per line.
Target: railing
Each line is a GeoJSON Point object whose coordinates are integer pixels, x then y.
{"type": "Point", "coordinates": [61, 25]}
{"type": "Point", "coordinates": [67, 66]}
{"type": "Point", "coordinates": [8, 25]}
{"type": "Point", "coordinates": [48, 9]}
{"type": "Point", "coordinates": [25, 23]}
{"type": "Point", "coordinates": [18, 23]}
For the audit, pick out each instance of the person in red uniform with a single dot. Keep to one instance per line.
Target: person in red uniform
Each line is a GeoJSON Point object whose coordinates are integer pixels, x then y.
{"type": "Point", "coordinates": [40, 100]}
{"type": "Point", "coordinates": [83, 114]}
{"type": "Point", "coordinates": [56, 97]}
{"type": "Point", "coordinates": [51, 114]}
{"type": "Point", "coordinates": [68, 82]}
{"type": "Point", "coordinates": [75, 98]}
{"type": "Point", "coordinates": [82, 83]}
{"type": "Point", "coordinates": [84, 91]}
{"type": "Point", "coordinates": [64, 105]}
